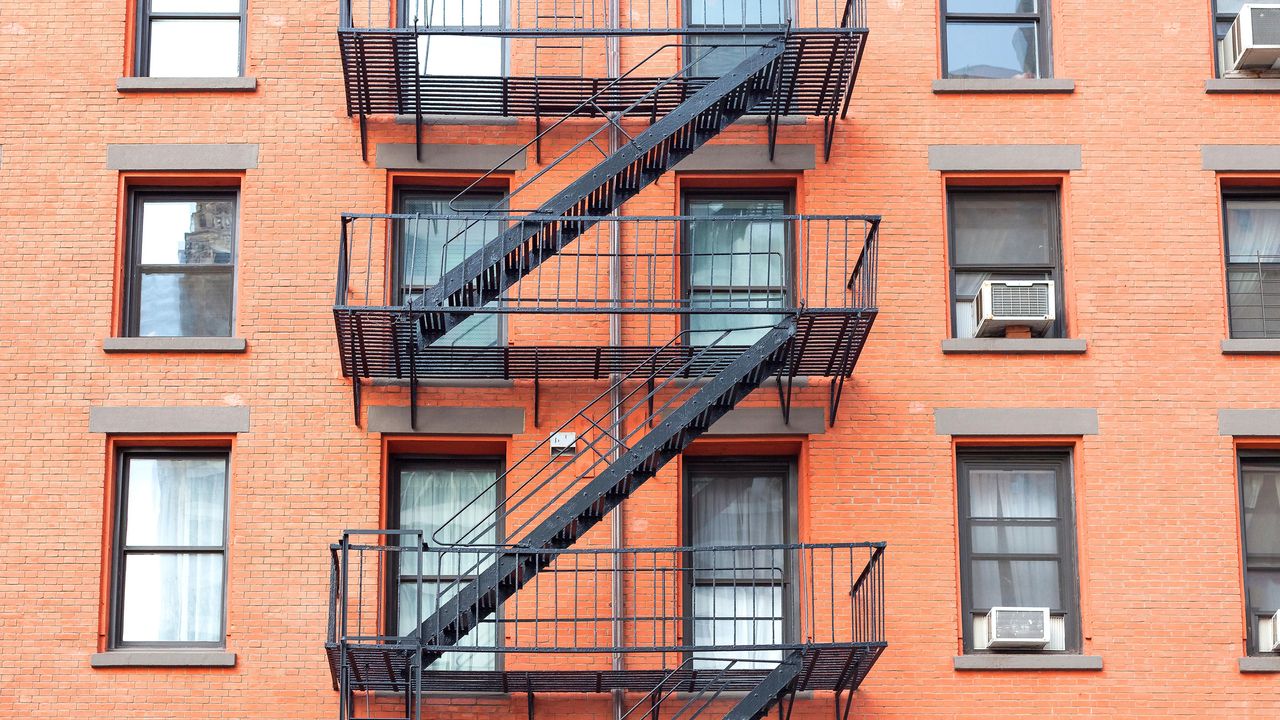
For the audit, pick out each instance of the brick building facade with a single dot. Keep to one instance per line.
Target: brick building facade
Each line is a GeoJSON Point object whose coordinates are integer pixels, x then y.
{"type": "Point", "coordinates": [176, 397]}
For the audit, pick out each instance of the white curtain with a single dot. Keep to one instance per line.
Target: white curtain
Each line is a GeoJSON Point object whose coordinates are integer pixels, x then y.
{"type": "Point", "coordinates": [738, 596]}
{"type": "Point", "coordinates": [431, 494]}
{"type": "Point", "coordinates": [996, 495]}
{"type": "Point", "coordinates": [174, 596]}
{"type": "Point", "coordinates": [1253, 230]}
{"type": "Point", "coordinates": [471, 55]}
{"type": "Point", "coordinates": [1262, 535]}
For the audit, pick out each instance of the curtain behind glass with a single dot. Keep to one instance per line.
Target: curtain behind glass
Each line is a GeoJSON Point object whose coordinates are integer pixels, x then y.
{"type": "Point", "coordinates": [1262, 535]}
{"type": "Point", "coordinates": [431, 494]}
{"type": "Point", "coordinates": [173, 596]}
{"type": "Point", "coordinates": [1004, 507]}
{"type": "Point", "coordinates": [739, 595]}
{"type": "Point", "coordinates": [428, 248]}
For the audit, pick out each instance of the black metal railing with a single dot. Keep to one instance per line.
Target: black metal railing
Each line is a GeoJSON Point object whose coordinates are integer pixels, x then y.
{"type": "Point", "coordinates": [745, 605]}
{"type": "Point", "coordinates": [600, 17]}
{"type": "Point", "coordinates": [672, 265]}
{"type": "Point", "coordinates": [1253, 290]}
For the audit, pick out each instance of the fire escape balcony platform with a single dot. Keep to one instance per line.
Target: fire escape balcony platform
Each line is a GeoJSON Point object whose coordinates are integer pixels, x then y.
{"type": "Point", "coordinates": [381, 75]}
{"type": "Point", "coordinates": [826, 668]}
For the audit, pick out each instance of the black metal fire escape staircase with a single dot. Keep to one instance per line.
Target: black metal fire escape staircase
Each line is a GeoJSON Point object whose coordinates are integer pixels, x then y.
{"type": "Point", "coordinates": [515, 253]}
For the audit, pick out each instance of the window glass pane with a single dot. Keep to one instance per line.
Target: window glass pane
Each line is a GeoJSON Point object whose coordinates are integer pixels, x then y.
{"type": "Point", "coordinates": [728, 616]}
{"type": "Point", "coordinates": [455, 13]}
{"type": "Point", "coordinates": [991, 6]}
{"type": "Point", "coordinates": [991, 50]}
{"type": "Point", "coordinates": [737, 13]}
{"type": "Point", "coordinates": [747, 508]}
{"type": "Point", "coordinates": [430, 496]}
{"type": "Point", "coordinates": [1003, 228]}
{"type": "Point", "coordinates": [195, 6]}
{"type": "Point", "coordinates": [1014, 540]}
{"type": "Point", "coordinates": [432, 595]}
{"type": "Point", "coordinates": [1013, 493]}
{"type": "Point", "coordinates": [172, 598]}
{"type": "Point", "coordinates": [738, 253]}
{"type": "Point", "coordinates": [194, 48]}
{"type": "Point", "coordinates": [1262, 510]}
{"type": "Point", "coordinates": [1018, 583]}
{"type": "Point", "coordinates": [468, 56]}
{"type": "Point", "coordinates": [175, 501]}
{"type": "Point", "coordinates": [1254, 294]}
{"type": "Point", "coordinates": [185, 304]}
{"type": "Point", "coordinates": [732, 328]}
{"type": "Point", "coordinates": [1231, 7]}
{"type": "Point", "coordinates": [1253, 230]}
{"type": "Point", "coordinates": [1264, 590]}
{"type": "Point", "coordinates": [188, 232]}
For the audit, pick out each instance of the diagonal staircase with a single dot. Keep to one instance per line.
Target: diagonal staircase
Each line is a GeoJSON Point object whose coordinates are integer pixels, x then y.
{"type": "Point", "coordinates": [503, 261]}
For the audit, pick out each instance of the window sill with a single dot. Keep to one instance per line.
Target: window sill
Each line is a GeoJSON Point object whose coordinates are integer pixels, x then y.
{"type": "Point", "coordinates": [1015, 346]}
{"type": "Point", "coordinates": [1260, 664]}
{"type": "Point", "coordinates": [186, 84]}
{"type": "Point", "coordinates": [174, 345]}
{"type": "Point", "coordinates": [1251, 346]}
{"type": "Point", "coordinates": [1241, 86]}
{"type": "Point", "coordinates": [163, 658]}
{"type": "Point", "coordinates": [446, 382]}
{"type": "Point", "coordinates": [1042, 86]}
{"type": "Point", "coordinates": [1021, 661]}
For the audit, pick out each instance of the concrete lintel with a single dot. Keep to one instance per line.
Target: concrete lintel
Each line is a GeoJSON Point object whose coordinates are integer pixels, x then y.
{"type": "Point", "coordinates": [1016, 421]}
{"type": "Point", "coordinates": [462, 120]}
{"type": "Point", "coordinates": [449, 156]}
{"type": "Point", "coordinates": [1260, 422]}
{"type": "Point", "coordinates": [749, 157]}
{"type": "Point", "coordinates": [997, 158]}
{"type": "Point", "coordinates": [438, 420]}
{"type": "Point", "coordinates": [1240, 158]}
{"type": "Point", "coordinates": [768, 421]}
{"type": "Point", "coordinates": [159, 420]}
{"type": "Point", "coordinates": [156, 156]}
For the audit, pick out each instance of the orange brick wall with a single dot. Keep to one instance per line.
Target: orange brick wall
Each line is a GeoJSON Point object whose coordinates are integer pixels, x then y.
{"type": "Point", "coordinates": [1157, 502]}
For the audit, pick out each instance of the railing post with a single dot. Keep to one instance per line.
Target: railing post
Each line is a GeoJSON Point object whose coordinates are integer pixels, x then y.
{"type": "Point", "coordinates": [344, 15]}
{"type": "Point", "coordinates": [344, 269]}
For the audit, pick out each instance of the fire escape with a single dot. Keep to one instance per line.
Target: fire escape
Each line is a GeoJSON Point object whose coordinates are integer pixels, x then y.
{"type": "Point", "coordinates": [714, 304]}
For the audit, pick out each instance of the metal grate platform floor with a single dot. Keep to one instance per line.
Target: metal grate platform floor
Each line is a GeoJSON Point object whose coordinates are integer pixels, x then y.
{"type": "Point", "coordinates": [380, 72]}
{"type": "Point", "coordinates": [373, 343]}
{"type": "Point", "coordinates": [384, 669]}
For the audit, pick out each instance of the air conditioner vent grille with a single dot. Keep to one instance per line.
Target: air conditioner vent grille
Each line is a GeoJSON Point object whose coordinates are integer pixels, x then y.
{"type": "Point", "coordinates": [1020, 300]}
{"type": "Point", "coordinates": [1266, 26]}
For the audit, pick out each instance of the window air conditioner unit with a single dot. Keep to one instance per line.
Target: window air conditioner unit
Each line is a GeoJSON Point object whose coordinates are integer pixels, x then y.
{"type": "Point", "coordinates": [1253, 42]}
{"type": "Point", "coordinates": [1007, 303]}
{"type": "Point", "coordinates": [1017, 627]}
{"type": "Point", "coordinates": [1270, 641]}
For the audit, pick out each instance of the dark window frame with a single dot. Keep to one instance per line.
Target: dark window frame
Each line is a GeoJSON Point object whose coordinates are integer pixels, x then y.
{"type": "Point", "coordinates": [1242, 193]}
{"type": "Point", "coordinates": [120, 550]}
{"type": "Point", "coordinates": [146, 17]}
{"type": "Point", "coordinates": [134, 268]}
{"type": "Point", "coordinates": [1252, 615]}
{"type": "Point", "coordinates": [1060, 461]}
{"type": "Point", "coordinates": [400, 195]}
{"type": "Point", "coordinates": [1059, 328]}
{"type": "Point", "coordinates": [1044, 33]}
{"type": "Point", "coordinates": [1216, 19]}
{"type": "Point", "coordinates": [790, 282]}
{"type": "Point", "coordinates": [789, 468]}
{"type": "Point", "coordinates": [393, 579]}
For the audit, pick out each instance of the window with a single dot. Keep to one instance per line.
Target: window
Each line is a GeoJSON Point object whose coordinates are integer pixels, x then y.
{"type": "Point", "coordinates": [1002, 235]}
{"type": "Point", "coordinates": [1017, 541]}
{"type": "Point", "coordinates": [736, 264]}
{"type": "Point", "coordinates": [191, 38]}
{"type": "Point", "coordinates": [740, 596]}
{"type": "Point", "coordinates": [708, 60]}
{"type": "Point", "coordinates": [181, 264]}
{"type": "Point", "coordinates": [1252, 226]}
{"type": "Point", "coordinates": [459, 499]}
{"type": "Point", "coordinates": [472, 55]}
{"type": "Point", "coordinates": [995, 39]}
{"type": "Point", "coordinates": [1260, 497]}
{"type": "Point", "coordinates": [170, 562]}
{"type": "Point", "coordinates": [429, 247]}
